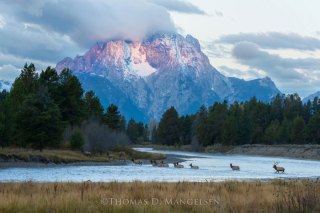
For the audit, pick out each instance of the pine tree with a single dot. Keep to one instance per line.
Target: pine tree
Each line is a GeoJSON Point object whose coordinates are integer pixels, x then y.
{"type": "Point", "coordinates": [316, 105]}
{"type": "Point", "coordinates": [92, 105]}
{"type": "Point", "coordinates": [112, 117]}
{"type": "Point", "coordinates": [3, 114]}
{"type": "Point", "coordinates": [277, 107]}
{"type": "Point", "coordinates": [77, 141]}
{"type": "Point", "coordinates": [132, 130]}
{"type": "Point", "coordinates": [292, 106]}
{"type": "Point", "coordinates": [201, 127]}
{"type": "Point", "coordinates": [168, 130]}
{"type": "Point", "coordinates": [26, 84]}
{"type": "Point", "coordinates": [2, 125]}
{"type": "Point", "coordinates": [298, 131]}
{"type": "Point", "coordinates": [216, 118]}
{"type": "Point", "coordinates": [313, 129]}
{"type": "Point", "coordinates": [245, 126]}
{"type": "Point", "coordinates": [307, 111]}
{"type": "Point", "coordinates": [186, 129]}
{"type": "Point", "coordinates": [70, 99]}
{"type": "Point", "coordinates": [285, 131]}
{"type": "Point", "coordinates": [271, 135]}
{"type": "Point", "coordinates": [50, 79]}
{"type": "Point", "coordinates": [154, 139]}
{"type": "Point", "coordinates": [229, 131]}
{"type": "Point", "coordinates": [39, 122]}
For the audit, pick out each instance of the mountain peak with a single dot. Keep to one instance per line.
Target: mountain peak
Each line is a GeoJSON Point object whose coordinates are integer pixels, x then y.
{"type": "Point", "coordinates": [267, 82]}
{"type": "Point", "coordinates": [193, 41]}
{"type": "Point", "coordinates": [163, 70]}
{"type": "Point", "coordinates": [131, 59]}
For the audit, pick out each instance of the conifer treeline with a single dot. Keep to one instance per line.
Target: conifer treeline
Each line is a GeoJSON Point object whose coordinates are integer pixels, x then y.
{"type": "Point", "coordinates": [285, 120]}
{"type": "Point", "coordinates": [40, 108]}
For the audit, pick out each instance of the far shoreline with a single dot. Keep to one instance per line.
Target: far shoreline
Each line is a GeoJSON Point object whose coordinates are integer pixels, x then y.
{"type": "Point", "coordinates": [18, 163]}
{"type": "Point", "coordinates": [292, 151]}
{"type": "Point", "coordinates": [299, 152]}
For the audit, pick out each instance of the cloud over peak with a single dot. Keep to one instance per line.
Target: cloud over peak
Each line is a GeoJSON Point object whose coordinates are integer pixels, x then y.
{"type": "Point", "coordinates": [44, 31]}
{"type": "Point", "coordinates": [87, 22]}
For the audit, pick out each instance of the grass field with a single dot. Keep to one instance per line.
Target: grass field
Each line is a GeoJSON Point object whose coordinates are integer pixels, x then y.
{"type": "Point", "coordinates": [275, 196]}
{"type": "Point", "coordinates": [70, 156]}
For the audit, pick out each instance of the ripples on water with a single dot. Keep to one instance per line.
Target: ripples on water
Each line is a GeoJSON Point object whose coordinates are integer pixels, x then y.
{"type": "Point", "coordinates": [212, 168]}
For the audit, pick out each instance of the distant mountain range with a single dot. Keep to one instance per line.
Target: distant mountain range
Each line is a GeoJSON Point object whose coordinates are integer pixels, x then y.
{"type": "Point", "coordinates": [5, 85]}
{"type": "Point", "coordinates": [311, 97]}
{"type": "Point", "coordinates": [145, 78]}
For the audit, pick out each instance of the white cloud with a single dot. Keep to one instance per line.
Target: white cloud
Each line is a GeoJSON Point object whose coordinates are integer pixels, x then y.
{"type": "Point", "coordinates": [16, 61]}
{"type": "Point", "coordinates": [2, 22]}
{"type": "Point", "coordinates": [33, 41]}
{"type": "Point", "coordinates": [274, 40]}
{"type": "Point", "coordinates": [290, 74]}
{"type": "Point", "coordinates": [45, 31]}
{"type": "Point", "coordinates": [250, 54]}
{"type": "Point", "coordinates": [88, 22]}
{"type": "Point", "coordinates": [247, 74]}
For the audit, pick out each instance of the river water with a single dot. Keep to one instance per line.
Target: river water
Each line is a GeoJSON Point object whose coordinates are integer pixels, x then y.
{"type": "Point", "coordinates": [212, 167]}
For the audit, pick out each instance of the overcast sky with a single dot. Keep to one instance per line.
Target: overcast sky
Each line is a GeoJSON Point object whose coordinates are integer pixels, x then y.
{"type": "Point", "coordinates": [246, 39]}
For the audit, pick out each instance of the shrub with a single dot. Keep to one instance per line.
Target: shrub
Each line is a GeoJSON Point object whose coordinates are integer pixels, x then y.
{"type": "Point", "coordinates": [100, 138]}
{"type": "Point", "coordinates": [76, 141]}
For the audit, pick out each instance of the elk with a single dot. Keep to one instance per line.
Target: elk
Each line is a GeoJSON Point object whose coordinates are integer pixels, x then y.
{"type": "Point", "coordinates": [193, 167]}
{"type": "Point", "coordinates": [139, 162]}
{"type": "Point", "coordinates": [159, 164]}
{"type": "Point", "coordinates": [177, 165]}
{"type": "Point", "coordinates": [163, 164]}
{"type": "Point", "coordinates": [153, 162]}
{"type": "Point", "coordinates": [234, 167]}
{"type": "Point", "coordinates": [278, 168]}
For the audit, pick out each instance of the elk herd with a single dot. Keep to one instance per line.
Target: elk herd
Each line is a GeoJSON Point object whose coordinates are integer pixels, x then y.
{"type": "Point", "coordinates": [178, 165]}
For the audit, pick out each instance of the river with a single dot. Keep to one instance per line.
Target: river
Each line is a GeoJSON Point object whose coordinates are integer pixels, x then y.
{"type": "Point", "coordinates": [212, 167]}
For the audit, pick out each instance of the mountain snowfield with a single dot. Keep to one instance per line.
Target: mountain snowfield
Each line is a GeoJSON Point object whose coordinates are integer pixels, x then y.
{"type": "Point", "coordinates": [145, 78]}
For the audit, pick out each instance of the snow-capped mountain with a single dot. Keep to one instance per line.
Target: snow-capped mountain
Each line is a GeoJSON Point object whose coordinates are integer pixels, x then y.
{"type": "Point", "coordinates": [311, 97]}
{"type": "Point", "coordinates": [145, 78]}
{"type": "Point", "coordinates": [5, 85]}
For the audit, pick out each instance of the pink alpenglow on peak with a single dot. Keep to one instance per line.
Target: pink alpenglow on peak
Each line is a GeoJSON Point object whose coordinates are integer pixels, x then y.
{"type": "Point", "coordinates": [144, 78]}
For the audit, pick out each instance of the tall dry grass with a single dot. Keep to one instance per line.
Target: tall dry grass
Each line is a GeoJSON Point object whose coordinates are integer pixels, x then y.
{"type": "Point", "coordinates": [276, 196]}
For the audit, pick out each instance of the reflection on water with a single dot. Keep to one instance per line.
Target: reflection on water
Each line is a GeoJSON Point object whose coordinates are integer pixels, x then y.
{"type": "Point", "coordinates": [212, 168]}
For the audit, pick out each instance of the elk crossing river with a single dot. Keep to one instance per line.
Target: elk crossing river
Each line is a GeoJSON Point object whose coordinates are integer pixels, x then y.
{"type": "Point", "coordinates": [212, 167]}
